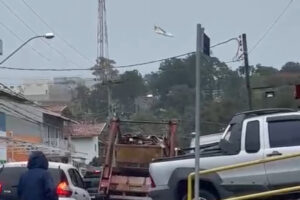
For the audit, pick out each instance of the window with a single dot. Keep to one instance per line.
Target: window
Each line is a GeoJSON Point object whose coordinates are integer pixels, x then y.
{"type": "Point", "coordinates": [11, 175]}
{"type": "Point", "coordinates": [79, 179]}
{"type": "Point", "coordinates": [252, 144]}
{"type": "Point", "coordinates": [73, 177]}
{"type": "Point", "coordinates": [76, 178]}
{"type": "Point", "coordinates": [58, 175]}
{"type": "Point", "coordinates": [284, 133]}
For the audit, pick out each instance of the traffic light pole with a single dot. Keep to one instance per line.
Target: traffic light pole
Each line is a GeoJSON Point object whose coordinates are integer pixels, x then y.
{"type": "Point", "coordinates": [199, 51]}
{"type": "Point", "coordinates": [247, 70]}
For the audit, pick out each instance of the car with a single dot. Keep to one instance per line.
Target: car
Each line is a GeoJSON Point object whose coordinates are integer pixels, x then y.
{"type": "Point", "coordinates": [91, 180]}
{"type": "Point", "coordinates": [69, 183]}
{"type": "Point", "coordinates": [252, 135]}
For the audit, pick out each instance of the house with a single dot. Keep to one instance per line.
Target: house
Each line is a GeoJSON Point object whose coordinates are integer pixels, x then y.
{"type": "Point", "coordinates": [60, 90]}
{"type": "Point", "coordinates": [85, 139]}
{"type": "Point", "coordinates": [26, 122]}
{"type": "Point", "coordinates": [47, 92]}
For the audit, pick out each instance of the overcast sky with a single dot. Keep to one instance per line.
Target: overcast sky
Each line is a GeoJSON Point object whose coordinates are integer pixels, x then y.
{"type": "Point", "coordinates": [131, 36]}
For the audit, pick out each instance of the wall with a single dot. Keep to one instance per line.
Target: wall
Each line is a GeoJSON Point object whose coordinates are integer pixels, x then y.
{"type": "Point", "coordinates": [36, 91]}
{"type": "Point", "coordinates": [22, 127]}
{"type": "Point", "coordinates": [87, 145]}
{"type": "Point", "coordinates": [21, 154]}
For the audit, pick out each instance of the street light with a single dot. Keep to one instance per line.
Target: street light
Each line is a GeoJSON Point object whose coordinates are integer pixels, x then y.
{"type": "Point", "coordinates": [47, 36]}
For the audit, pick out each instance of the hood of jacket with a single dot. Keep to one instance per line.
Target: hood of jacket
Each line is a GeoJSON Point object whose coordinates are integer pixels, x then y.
{"type": "Point", "coordinates": [37, 160]}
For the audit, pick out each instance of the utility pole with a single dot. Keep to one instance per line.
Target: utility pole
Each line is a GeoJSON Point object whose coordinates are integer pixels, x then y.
{"type": "Point", "coordinates": [199, 51]}
{"type": "Point", "coordinates": [109, 103]}
{"type": "Point", "coordinates": [247, 70]}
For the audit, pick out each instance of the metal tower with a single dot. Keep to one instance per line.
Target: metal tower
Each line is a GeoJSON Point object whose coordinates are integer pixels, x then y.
{"type": "Point", "coordinates": [102, 37]}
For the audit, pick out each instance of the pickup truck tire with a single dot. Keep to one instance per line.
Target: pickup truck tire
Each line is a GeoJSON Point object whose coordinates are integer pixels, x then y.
{"type": "Point", "coordinates": [204, 195]}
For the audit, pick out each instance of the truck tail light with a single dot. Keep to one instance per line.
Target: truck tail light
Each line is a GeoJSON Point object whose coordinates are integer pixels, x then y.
{"type": "Point", "coordinates": [63, 190]}
{"type": "Point", "coordinates": [0, 188]}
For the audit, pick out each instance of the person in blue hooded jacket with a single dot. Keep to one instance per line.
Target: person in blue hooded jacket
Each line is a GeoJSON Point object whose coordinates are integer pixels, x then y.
{"type": "Point", "coordinates": [37, 183]}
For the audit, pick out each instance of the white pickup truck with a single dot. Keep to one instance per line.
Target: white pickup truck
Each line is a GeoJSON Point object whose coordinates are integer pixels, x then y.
{"type": "Point", "coordinates": [249, 136]}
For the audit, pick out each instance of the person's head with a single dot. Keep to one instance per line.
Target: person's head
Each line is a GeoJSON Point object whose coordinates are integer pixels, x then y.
{"type": "Point", "coordinates": [37, 160]}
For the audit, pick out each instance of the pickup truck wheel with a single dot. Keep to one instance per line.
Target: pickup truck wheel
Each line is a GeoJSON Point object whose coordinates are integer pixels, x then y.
{"type": "Point", "coordinates": [204, 195]}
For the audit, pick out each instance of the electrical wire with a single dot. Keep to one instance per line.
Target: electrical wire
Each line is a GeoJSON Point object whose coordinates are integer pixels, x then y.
{"type": "Point", "coordinates": [271, 26]}
{"type": "Point", "coordinates": [20, 39]}
{"type": "Point", "coordinates": [56, 33]}
{"type": "Point", "coordinates": [116, 67]}
{"type": "Point", "coordinates": [34, 32]}
{"type": "Point", "coordinates": [90, 69]}
{"type": "Point", "coordinates": [226, 41]}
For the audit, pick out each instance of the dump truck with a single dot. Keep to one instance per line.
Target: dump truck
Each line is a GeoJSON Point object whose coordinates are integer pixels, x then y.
{"type": "Point", "coordinates": [125, 172]}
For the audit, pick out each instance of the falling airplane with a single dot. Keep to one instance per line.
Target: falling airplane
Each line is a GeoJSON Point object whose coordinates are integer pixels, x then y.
{"type": "Point", "coordinates": [161, 31]}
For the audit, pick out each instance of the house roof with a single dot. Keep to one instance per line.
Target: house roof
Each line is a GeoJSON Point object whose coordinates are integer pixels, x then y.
{"type": "Point", "coordinates": [20, 107]}
{"type": "Point", "coordinates": [86, 130]}
{"type": "Point", "coordinates": [56, 108]}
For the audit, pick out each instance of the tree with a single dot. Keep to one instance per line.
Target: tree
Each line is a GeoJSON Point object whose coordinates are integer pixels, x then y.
{"type": "Point", "coordinates": [264, 70]}
{"type": "Point", "coordinates": [104, 69]}
{"type": "Point", "coordinates": [80, 104]}
{"type": "Point", "coordinates": [222, 93]}
{"type": "Point", "coordinates": [291, 67]}
{"type": "Point", "coordinates": [131, 85]}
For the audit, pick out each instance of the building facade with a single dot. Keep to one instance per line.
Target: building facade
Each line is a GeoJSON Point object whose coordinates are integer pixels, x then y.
{"type": "Point", "coordinates": [26, 122]}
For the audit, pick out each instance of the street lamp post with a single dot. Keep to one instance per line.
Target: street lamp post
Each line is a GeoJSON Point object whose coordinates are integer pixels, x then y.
{"type": "Point", "coordinates": [47, 36]}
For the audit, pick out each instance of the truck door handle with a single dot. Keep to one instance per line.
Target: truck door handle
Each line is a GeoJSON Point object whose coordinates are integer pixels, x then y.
{"type": "Point", "coordinates": [274, 153]}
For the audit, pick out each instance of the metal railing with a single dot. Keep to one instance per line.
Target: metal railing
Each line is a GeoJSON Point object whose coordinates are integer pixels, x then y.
{"type": "Point", "coordinates": [56, 142]}
{"type": "Point", "coordinates": [246, 164]}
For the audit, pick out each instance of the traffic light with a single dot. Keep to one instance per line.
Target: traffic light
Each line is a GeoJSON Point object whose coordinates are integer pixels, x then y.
{"type": "Point", "coordinates": [206, 45]}
{"type": "Point", "coordinates": [297, 91]}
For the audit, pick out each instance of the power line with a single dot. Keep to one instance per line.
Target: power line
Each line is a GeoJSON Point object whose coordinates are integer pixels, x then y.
{"type": "Point", "coordinates": [33, 31]}
{"type": "Point", "coordinates": [116, 67]}
{"type": "Point", "coordinates": [271, 26]}
{"type": "Point", "coordinates": [226, 41]}
{"type": "Point", "coordinates": [20, 39]}
{"type": "Point", "coordinates": [56, 33]}
{"type": "Point", "coordinates": [90, 69]}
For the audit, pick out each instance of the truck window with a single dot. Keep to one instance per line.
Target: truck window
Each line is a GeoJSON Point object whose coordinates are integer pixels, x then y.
{"type": "Point", "coordinates": [284, 133]}
{"type": "Point", "coordinates": [252, 144]}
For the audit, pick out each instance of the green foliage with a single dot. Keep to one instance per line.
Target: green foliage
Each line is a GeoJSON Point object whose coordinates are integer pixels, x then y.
{"type": "Point", "coordinates": [291, 67]}
{"type": "Point", "coordinates": [131, 85]}
{"type": "Point", "coordinates": [223, 93]}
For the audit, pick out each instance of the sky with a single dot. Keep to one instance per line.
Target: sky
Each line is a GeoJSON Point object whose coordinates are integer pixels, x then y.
{"type": "Point", "coordinates": [131, 36]}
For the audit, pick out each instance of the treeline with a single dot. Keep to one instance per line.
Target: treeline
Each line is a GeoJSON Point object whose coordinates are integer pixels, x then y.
{"type": "Point", "coordinates": [172, 93]}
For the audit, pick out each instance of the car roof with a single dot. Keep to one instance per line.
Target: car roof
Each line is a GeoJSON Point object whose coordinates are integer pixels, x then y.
{"type": "Point", "coordinates": [273, 115]}
{"type": "Point", "coordinates": [51, 165]}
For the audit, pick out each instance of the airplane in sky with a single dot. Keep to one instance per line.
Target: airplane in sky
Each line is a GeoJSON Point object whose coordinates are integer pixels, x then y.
{"type": "Point", "coordinates": [161, 31]}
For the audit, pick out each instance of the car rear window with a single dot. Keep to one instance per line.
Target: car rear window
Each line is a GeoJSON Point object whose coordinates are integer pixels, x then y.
{"type": "Point", "coordinates": [11, 175]}
{"type": "Point", "coordinates": [91, 182]}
